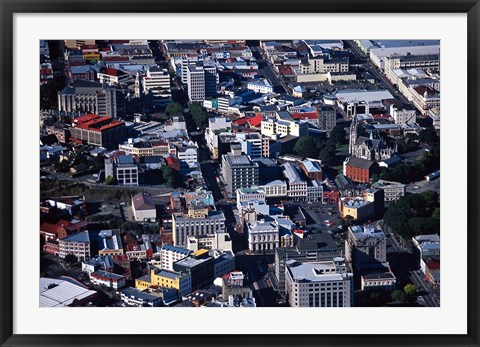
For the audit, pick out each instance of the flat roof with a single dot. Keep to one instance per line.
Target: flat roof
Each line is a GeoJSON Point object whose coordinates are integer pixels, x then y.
{"type": "Point", "coordinates": [316, 272]}
{"type": "Point", "coordinates": [348, 96]}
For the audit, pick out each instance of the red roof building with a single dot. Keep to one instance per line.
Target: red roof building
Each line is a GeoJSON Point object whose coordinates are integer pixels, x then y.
{"type": "Point", "coordinates": [256, 121]}
{"type": "Point", "coordinates": [98, 131]}
{"type": "Point", "coordinates": [172, 161]}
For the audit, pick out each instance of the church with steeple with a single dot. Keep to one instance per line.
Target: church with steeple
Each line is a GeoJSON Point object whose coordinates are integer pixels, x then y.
{"type": "Point", "coordinates": [368, 148]}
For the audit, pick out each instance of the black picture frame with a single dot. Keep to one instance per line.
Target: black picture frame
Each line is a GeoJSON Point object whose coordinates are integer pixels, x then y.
{"type": "Point", "coordinates": [10, 7]}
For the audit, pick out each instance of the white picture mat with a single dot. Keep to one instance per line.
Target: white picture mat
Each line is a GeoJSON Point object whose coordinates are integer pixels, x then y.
{"type": "Point", "coordinates": [450, 318]}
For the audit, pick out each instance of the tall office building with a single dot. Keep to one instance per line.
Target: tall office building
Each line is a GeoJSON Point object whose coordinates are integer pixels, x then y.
{"type": "Point", "coordinates": [91, 97]}
{"type": "Point", "coordinates": [239, 171]}
{"type": "Point", "coordinates": [319, 284]}
{"type": "Point", "coordinates": [202, 79]}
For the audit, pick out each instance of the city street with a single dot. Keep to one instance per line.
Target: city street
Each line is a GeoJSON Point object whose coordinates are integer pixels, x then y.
{"type": "Point", "coordinates": [256, 267]}
{"type": "Point", "coordinates": [374, 71]}
{"type": "Point", "coordinates": [266, 69]}
{"type": "Point", "coordinates": [403, 265]}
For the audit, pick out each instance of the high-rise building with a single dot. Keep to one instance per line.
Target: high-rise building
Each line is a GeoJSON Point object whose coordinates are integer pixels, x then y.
{"type": "Point", "coordinates": [319, 284]}
{"type": "Point", "coordinates": [365, 245]}
{"type": "Point", "coordinates": [202, 79]}
{"type": "Point", "coordinates": [196, 223]}
{"type": "Point", "coordinates": [91, 97]}
{"type": "Point", "coordinates": [157, 81]}
{"type": "Point", "coordinates": [311, 248]}
{"type": "Point", "coordinates": [239, 172]}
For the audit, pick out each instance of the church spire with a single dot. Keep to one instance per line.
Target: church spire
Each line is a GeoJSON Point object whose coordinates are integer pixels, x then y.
{"type": "Point", "coordinates": [353, 130]}
{"type": "Point", "coordinates": [138, 86]}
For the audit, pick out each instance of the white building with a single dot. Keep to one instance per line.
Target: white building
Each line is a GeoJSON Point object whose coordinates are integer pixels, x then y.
{"type": "Point", "coordinates": [252, 144]}
{"type": "Point", "coordinates": [260, 86]}
{"type": "Point", "coordinates": [108, 279]}
{"type": "Point", "coordinates": [184, 226]}
{"type": "Point", "coordinates": [282, 128]}
{"type": "Point", "coordinates": [392, 190]}
{"type": "Point", "coordinates": [220, 241]}
{"type": "Point", "coordinates": [157, 81]}
{"type": "Point", "coordinates": [275, 188]}
{"type": "Point", "coordinates": [385, 281]}
{"type": "Point", "coordinates": [216, 126]}
{"type": "Point", "coordinates": [297, 187]}
{"type": "Point", "coordinates": [377, 55]}
{"type": "Point", "coordinates": [314, 191]}
{"type": "Point", "coordinates": [248, 194]}
{"type": "Point", "coordinates": [319, 284]}
{"type": "Point", "coordinates": [144, 208]}
{"type": "Point", "coordinates": [113, 77]}
{"type": "Point", "coordinates": [403, 115]}
{"type": "Point", "coordinates": [188, 154]}
{"type": "Point", "coordinates": [263, 236]}
{"type": "Point", "coordinates": [170, 254]}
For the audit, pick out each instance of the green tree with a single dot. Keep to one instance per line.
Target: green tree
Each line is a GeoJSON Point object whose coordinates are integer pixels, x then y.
{"type": "Point", "coordinates": [413, 215]}
{"type": "Point", "coordinates": [429, 136]}
{"type": "Point", "coordinates": [110, 181]}
{"type": "Point", "coordinates": [199, 115]}
{"type": "Point", "coordinates": [171, 177]}
{"type": "Point", "coordinates": [410, 289]}
{"type": "Point", "coordinates": [174, 109]}
{"type": "Point", "coordinates": [70, 258]}
{"type": "Point", "coordinates": [307, 146]}
{"type": "Point", "coordinates": [338, 135]}
{"type": "Point", "coordinates": [327, 154]}
{"type": "Point", "coordinates": [399, 296]}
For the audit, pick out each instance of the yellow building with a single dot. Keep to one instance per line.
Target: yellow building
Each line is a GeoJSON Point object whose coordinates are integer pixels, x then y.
{"type": "Point", "coordinates": [356, 208]}
{"type": "Point", "coordinates": [165, 278]}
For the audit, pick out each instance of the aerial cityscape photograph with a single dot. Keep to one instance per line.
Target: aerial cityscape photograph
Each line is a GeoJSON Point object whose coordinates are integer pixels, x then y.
{"type": "Point", "coordinates": [239, 173]}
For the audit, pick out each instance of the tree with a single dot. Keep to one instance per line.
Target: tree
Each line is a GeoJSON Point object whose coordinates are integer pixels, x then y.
{"type": "Point", "coordinates": [327, 154]}
{"type": "Point", "coordinates": [171, 177]}
{"type": "Point", "coordinates": [307, 146]}
{"type": "Point", "coordinates": [110, 181]}
{"type": "Point", "coordinates": [199, 115]}
{"type": "Point", "coordinates": [338, 135]}
{"type": "Point", "coordinates": [70, 258]}
{"type": "Point", "coordinates": [174, 109]}
{"type": "Point", "coordinates": [429, 136]}
{"type": "Point", "coordinates": [399, 296]}
{"type": "Point", "coordinates": [413, 215]}
{"type": "Point", "coordinates": [410, 289]}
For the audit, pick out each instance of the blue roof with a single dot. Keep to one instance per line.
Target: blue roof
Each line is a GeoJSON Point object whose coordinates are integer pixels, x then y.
{"type": "Point", "coordinates": [78, 237]}
{"type": "Point", "coordinates": [139, 294]}
{"type": "Point", "coordinates": [175, 249]}
{"type": "Point", "coordinates": [125, 159]}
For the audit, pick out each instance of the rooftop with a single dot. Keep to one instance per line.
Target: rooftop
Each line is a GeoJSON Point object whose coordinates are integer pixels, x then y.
{"type": "Point", "coordinates": [61, 293]}
{"type": "Point", "coordinates": [359, 95]}
{"type": "Point", "coordinates": [360, 163]}
{"type": "Point", "coordinates": [78, 237]}
{"type": "Point", "coordinates": [316, 272]}
{"type": "Point", "coordinates": [106, 275]}
{"type": "Point", "coordinates": [239, 160]}
{"type": "Point", "coordinates": [366, 232]}
{"type": "Point", "coordinates": [175, 249]}
{"type": "Point", "coordinates": [143, 201]}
